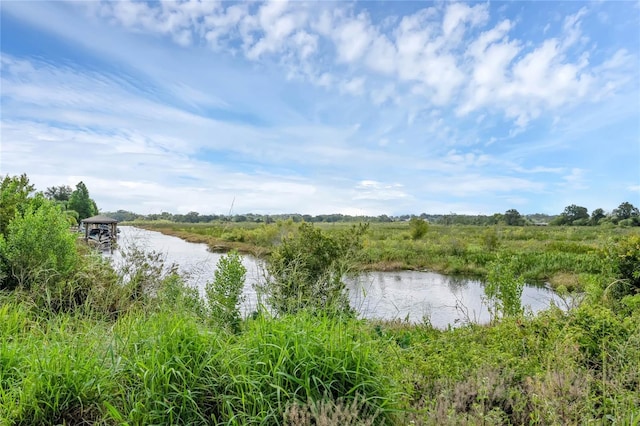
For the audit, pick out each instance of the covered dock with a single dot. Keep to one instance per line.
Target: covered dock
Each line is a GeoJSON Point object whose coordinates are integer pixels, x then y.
{"type": "Point", "coordinates": [100, 228]}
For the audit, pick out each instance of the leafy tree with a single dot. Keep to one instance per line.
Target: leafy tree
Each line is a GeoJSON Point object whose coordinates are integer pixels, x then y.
{"type": "Point", "coordinates": [572, 213]}
{"type": "Point", "coordinates": [14, 199]}
{"type": "Point", "coordinates": [59, 193]}
{"type": "Point", "coordinates": [224, 294]}
{"type": "Point", "coordinates": [418, 228]}
{"type": "Point", "coordinates": [596, 216]}
{"type": "Point", "coordinates": [82, 203]}
{"type": "Point", "coordinates": [306, 270]}
{"type": "Point", "coordinates": [513, 217]}
{"type": "Point", "coordinates": [624, 211]}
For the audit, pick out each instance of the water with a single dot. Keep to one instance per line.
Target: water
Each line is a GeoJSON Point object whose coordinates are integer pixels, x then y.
{"type": "Point", "coordinates": [407, 295]}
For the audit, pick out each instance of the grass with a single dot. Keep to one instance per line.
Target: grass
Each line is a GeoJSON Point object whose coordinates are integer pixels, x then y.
{"type": "Point", "coordinates": [169, 366]}
{"type": "Point", "coordinates": [143, 350]}
{"type": "Point", "coordinates": [565, 257]}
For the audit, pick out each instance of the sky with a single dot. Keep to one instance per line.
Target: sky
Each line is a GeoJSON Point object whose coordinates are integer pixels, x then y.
{"type": "Point", "coordinates": [360, 108]}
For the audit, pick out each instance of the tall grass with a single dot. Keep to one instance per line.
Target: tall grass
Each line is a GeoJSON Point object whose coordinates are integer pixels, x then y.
{"type": "Point", "coordinates": [557, 255]}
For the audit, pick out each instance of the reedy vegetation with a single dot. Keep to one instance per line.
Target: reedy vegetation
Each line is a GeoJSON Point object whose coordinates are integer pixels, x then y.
{"type": "Point", "coordinates": [134, 345]}
{"type": "Point", "coordinates": [569, 258]}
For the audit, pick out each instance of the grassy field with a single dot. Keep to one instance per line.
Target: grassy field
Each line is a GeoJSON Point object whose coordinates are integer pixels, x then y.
{"type": "Point", "coordinates": [84, 343]}
{"type": "Point", "coordinates": [566, 257]}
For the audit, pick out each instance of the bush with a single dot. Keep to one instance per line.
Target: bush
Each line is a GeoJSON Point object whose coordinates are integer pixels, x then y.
{"type": "Point", "coordinates": [624, 258]}
{"type": "Point", "coordinates": [224, 294]}
{"type": "Point", "coordinates": [38, 250]}
{"type": "Point", "coordinates": [504, 287]}
{"type": "Point", "coordinates": [417, 228]}
{"type": "Point", "coordinates": [306, 270]}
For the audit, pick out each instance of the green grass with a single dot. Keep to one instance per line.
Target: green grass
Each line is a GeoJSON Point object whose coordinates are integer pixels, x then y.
{"type": "Point", "coordinates": [562, 256]}
{"type": "Point", "coordinates": [145, 351]}
{"type": "Point", "coordinates": [171, 367]}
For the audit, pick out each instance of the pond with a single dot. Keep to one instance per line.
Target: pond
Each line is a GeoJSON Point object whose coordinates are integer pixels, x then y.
{"type": "Point", "coordinates": [406, 295]}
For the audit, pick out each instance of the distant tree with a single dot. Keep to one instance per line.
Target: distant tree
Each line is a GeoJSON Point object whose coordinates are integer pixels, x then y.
{"type": "Point", "coordinates": [81, 202]}
{"type": "Point", "coordinates": [596, 216]}
{"type": "Point", "coordinates": [572, 213]}
{"type": "Point", "coordinates": [58, 193]}
{"type": "Point", "coordinates": [191, 217]}
{"type": "Point", "coordinates": [513, 218]}
{"type": "Point", "coordinates": [624, 211]}
{"type": "Point", "coordinates": [384, 218]}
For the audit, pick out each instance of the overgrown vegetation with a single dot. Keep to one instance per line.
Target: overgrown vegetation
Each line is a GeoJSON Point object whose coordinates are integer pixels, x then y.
{"type": "Point", "coordinates": [307, 269]}
{"type": "Point", "coordinates": [566, 257]}
{"type": "Point", "coordinates": [90, 343]}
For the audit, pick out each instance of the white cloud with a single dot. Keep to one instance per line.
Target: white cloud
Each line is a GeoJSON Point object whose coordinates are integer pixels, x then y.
{"type": "Point", "coordinates": [354, 86]}
{"type": "Point", "coordinates": [426, 99]}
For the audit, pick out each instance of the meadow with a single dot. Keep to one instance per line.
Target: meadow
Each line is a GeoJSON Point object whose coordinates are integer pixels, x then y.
{"type": "Point", "coordinates": [84, 343]}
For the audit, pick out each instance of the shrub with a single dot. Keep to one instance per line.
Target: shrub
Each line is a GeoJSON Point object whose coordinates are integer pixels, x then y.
{"type": "Point", "coordinates": [38, 250]}
{"type": "Point", "coordinates": [306, 270]}
{"type": "Point", "coordinates": [504, 287]}
{"type": "Point", "coordinates": [417, 228]}
{"type": "Point", "coordinates": [224, 294]}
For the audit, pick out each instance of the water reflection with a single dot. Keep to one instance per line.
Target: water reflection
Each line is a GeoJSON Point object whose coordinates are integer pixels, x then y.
{"type": "Point", "coordinates": [414, 296]}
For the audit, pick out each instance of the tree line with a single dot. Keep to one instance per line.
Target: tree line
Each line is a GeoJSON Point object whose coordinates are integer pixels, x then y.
{"type": "Point", "coordinates": [78, 205]}
{"type": "Point", "coordinates": [626, 214]}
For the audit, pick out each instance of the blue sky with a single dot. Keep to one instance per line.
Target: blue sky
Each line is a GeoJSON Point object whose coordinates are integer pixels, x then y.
{"type": "Point", "coordinates": [326, 107]}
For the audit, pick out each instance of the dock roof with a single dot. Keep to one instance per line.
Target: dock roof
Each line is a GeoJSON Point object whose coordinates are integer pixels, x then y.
{"type": "Point", "coordinates": [99, 219]}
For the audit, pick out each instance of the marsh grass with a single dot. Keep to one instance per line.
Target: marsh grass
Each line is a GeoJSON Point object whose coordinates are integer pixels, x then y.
{"type": "Point", "coordinates": [547, 253]}
{"type": "Point", "coordinates": [138, 348]}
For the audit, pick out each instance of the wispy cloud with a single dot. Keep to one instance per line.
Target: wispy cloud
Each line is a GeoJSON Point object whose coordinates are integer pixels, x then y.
{"type": "Point", "coordinates": [319, 107]}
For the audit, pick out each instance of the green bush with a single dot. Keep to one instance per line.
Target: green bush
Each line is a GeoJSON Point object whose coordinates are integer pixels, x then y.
{"type": "Point", "coordinates": [306, 270]}
{"type": "Point", "coordinates": [418, 228]}
{"type": "Point", "coordinates": [504, 287]}
{"type": "Point", "coordinates": [38, 250]}
{"type": "Point", "coordinates": [224, 294]}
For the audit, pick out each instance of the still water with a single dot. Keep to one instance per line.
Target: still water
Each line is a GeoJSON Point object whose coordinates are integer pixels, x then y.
{"type": "Point", "coordinates": [406, 295]}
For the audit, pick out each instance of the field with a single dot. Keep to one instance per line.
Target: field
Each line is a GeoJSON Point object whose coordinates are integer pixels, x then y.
{"type": "Point", "coordinates": [84, 343]}
{"type": "Point", "coordinates": [565, 257]}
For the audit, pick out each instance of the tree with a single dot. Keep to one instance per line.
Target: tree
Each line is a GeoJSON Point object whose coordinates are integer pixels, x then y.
{"type": "Point", "coordinates": [572, 213]}
{"type": "Point", "coordinates": [596, 216]}
{"type": "Point", "coordinates": [59, 193]}
{"type": "Point", "coordinates": [513, 217]}
{"type": "Point", "coordinates": [82, 203]}
{"type": "Point", "coordinates": [624, 211]}
{"type": "Point", "coordinates": [14, 199]}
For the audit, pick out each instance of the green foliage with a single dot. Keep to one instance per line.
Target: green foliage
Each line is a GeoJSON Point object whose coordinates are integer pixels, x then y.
{"type": "Point", "coordinates": [58, 193]}
{"type": "Point", "coordinates": [596, 216]}
{"type": "Point", "coordinates": [14, 199]}
{"type": "Point", "coordinates": [307, 357]}
{"type": "Point", "coordinates": [224, 294]}
{"type": "Point", "coordinates": [490, 239]}
{"type": "Point", "coordinates": [624, 258]}
{"type": "Point", "coordinates": [418, 228]}
{"type": "Point", "coordinates": [38, 251]}
{"type": "Point", "coordinates": [306, 270]}
{"type": "Point", "coordinates": [624, 211]}
{"type": "Point", "coordinates": [82, 203]}
{"type": "Point", "coordinates": [513, 217]}
{"type": "Point", "coordinates": [504, 287]}
{"type": "Point", "coordinates": [572, 214]}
